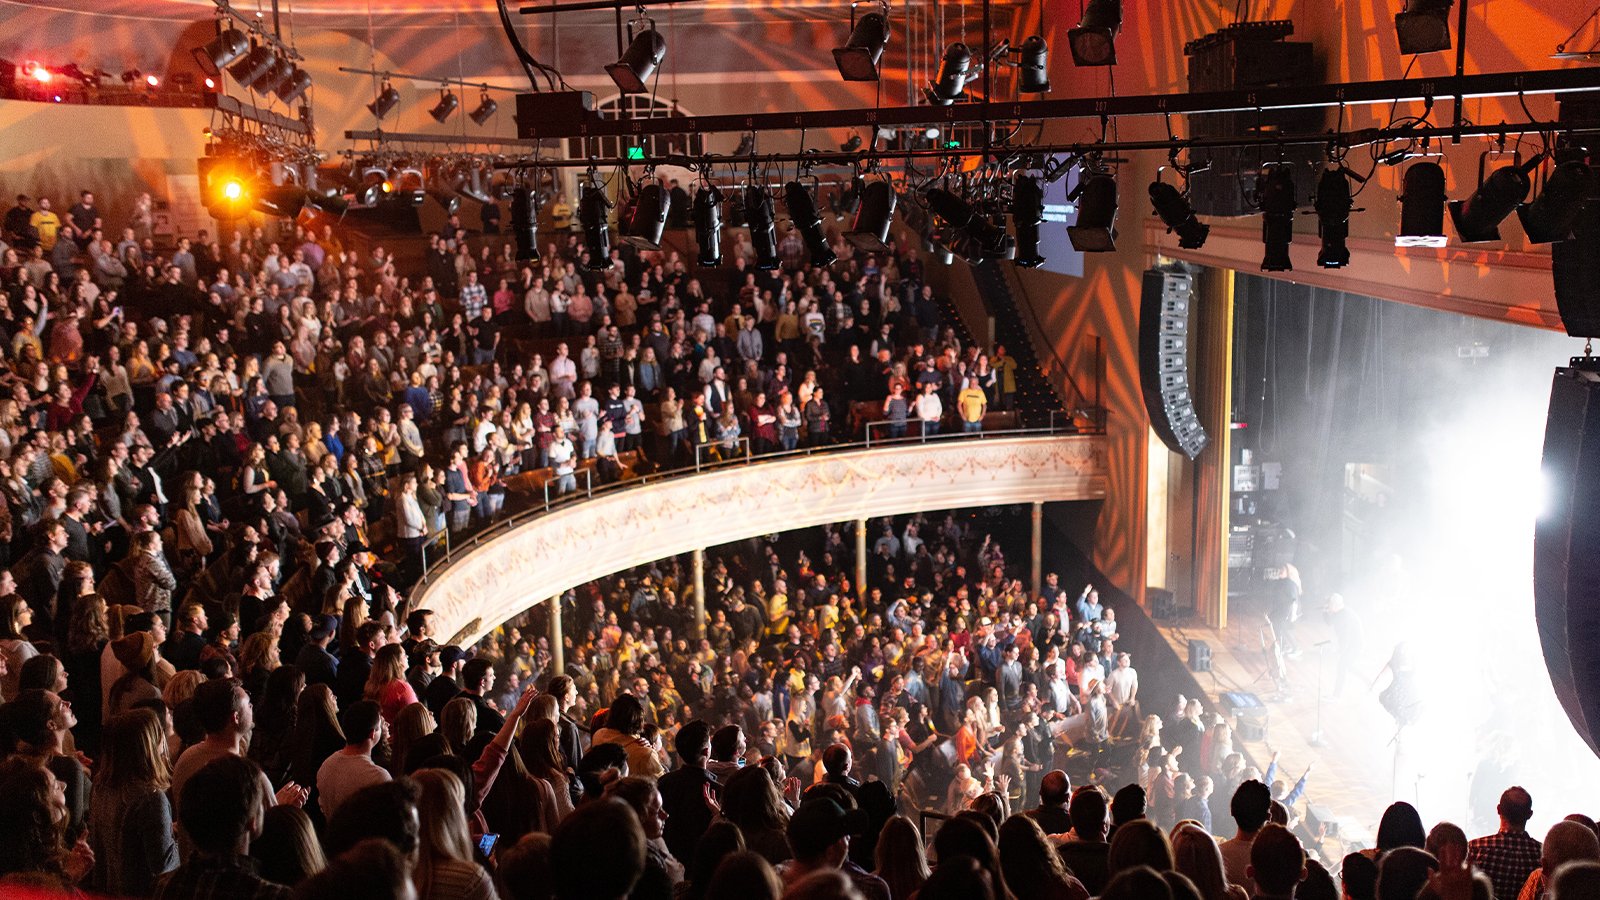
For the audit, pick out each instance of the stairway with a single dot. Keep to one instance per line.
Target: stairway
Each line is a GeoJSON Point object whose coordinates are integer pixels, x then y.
{"type": "Point", "coordinates": [1037, 395]}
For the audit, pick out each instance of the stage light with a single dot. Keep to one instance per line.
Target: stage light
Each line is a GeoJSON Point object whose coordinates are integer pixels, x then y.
{"type": "Point", "coordinates": [845, 202]}
{"type": "Point", "coordinates": [448, 101]}
{"type": "Point", "coordinates": [129, 76]}
{"type": "Point", "coordinates": [211, 83]}
{"type": "Point", "coordinates": [252, 66]}
{"type": "Point", "coordinates": [1549, 217]}
{"type": "Point", "coordinates": [152, 81]}
{"type": "Point", "coordinates": [1275, 196]}
{"type": "Point", "coordinates": [871, 229]}
{"type": "Point", "coordinates": [1033, 71]}
{"type": "Point", "coordinates": [1173, 207]}
{"type": "Point", "coordinates": [1333, 205]}
{"type": "Point", "coordinates": [858, 58]}
{"type": "Point", "coordinates": [1422, 207]}
{"type": "Point", "coordinates": [954, 72]}
{"type": "Point", "coordinates": [707, 216]}
{"type": "Point", "coordinates": [332, 204]}
{"type": "Point", "coordinates": [803, 213]}
{"type": "Point", "coordinates": [970, 233]}
{"type": "Point", "coordinates": [283, 201]}
{"type": "Point", "coordinates": [851, 145]}
{"type": "Point", "coordinates": [763, 229]}
{"type": "Point", "coordinates": [1096, 228]}
{"type": "Point", "coordinates": [1423, 26]}
{"type": "Point", "coordinates": [639, 61]}
{"type": "Point", "coordinates": [594, 207]}
{"type": "Point", "coordinates": [648, 222]}
{"type": "Point", "coordinates": [1477, 218]}
{"type": "Point", "coordinates": [232, 190]}
{"type": "Point", "coordinates": [524, 224]}
{"type": "Point", "coordinates": [375, 186]}
{"type": "Point", "coordinates": [222, 51]}
{"type": "Point", "coordinates": [385, 102]}
{"type": "Point", "coordinates": [1094, 41]}
{"type": "Point", "coordinates": [1027, 214]}
{"type": "Point", "coordinates": [486, 108]}
{"type": "Point", "coordinates": [295, 86]}
{"type": "Point", "coordinates": [39, 73]}
{"type": "Point", "coordinates": [278, 74]}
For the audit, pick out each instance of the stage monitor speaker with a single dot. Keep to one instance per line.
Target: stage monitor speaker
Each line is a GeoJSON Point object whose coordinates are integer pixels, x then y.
{"type": "Point", "coordinates": [1320, 821]}
{"type": "Point", "coordinates": [1251, 724]}
{"type": "Point", "coordinates": [1164, 359]}
{"type": "Point", "coordinates": [1566, 546]}
{"type": "Point", "coordinates": [1163, 604]}
{"type": "Point", "coordinates": [1199, 655]}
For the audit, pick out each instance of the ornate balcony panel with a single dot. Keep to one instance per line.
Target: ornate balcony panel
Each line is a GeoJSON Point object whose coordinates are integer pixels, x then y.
{"type": "Point", "coordinates": [551, 553]}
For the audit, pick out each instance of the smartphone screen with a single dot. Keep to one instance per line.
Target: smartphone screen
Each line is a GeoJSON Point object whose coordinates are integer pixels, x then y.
{"type": "Point", "coordinates": [486, 844]}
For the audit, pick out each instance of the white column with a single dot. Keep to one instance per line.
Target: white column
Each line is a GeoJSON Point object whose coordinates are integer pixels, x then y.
{"type": "Point", "coordinates": [1035, 580]}
{"type": "Point", "coordinates": [699, 592]}
{"type": "Point", "coordinates": [558, 664]}
{"type": "Point", "coordinates": [861, 557]}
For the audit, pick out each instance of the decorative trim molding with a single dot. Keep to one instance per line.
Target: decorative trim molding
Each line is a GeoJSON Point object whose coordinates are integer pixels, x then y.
{"type": "Point", "coordinates": [579, 542]}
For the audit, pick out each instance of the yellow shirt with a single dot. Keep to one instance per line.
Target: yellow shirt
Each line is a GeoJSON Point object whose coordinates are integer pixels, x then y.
{"type": "Point", "coordinates": [970, 402]}
{"type": "Point", "coordinates": [48, 224]}
{"type": "Point", "coordinates": [777, 614]}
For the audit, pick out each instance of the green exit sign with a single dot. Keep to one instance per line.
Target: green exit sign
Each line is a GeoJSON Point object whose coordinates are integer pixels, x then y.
{"type": "Point", "coordinates": [636, 153]}
{"type": "Point", "coordinates": [952, 145]}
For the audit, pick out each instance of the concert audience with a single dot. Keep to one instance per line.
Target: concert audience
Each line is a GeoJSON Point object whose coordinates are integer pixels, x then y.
{"type": "Point", "coordinates": [224, 465]}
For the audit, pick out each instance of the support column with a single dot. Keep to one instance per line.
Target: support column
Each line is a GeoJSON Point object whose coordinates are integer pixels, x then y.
{"type": "Point", "coordinates": [1035, 579]}
{"type": "Point", "coordinates": [699, 592]}
{"type": "Point", "coordinates": [558, 661]}
{"type": "Point", "coordinates": [861, 557]}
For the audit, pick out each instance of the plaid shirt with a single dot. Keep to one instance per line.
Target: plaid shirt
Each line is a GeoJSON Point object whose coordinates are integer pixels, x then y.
{"type": "Point", "coordinates": [1508, 858]}
{"type": "Point", "coordinates": [208, 877]}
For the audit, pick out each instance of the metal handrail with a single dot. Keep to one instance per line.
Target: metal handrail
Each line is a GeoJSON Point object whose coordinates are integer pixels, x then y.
{"type": "Point", "coordinates": [550, 503]}
{"type": "Point", "coordinates": [741, 442]}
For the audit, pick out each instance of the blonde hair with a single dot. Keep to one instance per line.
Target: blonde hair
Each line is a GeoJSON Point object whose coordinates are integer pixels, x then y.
{"type": "Point", "coordinates": [259, 650]}
{"type": "Point", "coordinates": [443, 837]}
{"type": "Point", "coordinates": [180, 687]}
{"type": "Point", "coordinates": [410, 725]}
{"type": "Point", "coordinates": [457, 721]}
{"type": "Point", "coordinates": [389, 664]}
{"type": "Point", "coordinates": [136, 753]}
{"type": "Point", "coordinates": [1195, 854]}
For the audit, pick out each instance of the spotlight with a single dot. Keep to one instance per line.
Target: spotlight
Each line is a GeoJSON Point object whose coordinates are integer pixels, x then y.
{"type": "Point", "coordinates": [1478, 217]}
{"type": "Point", "coordinates": [975, 236]}
{"type": "Point", "coordinates": [708, 224]}
{"type": "Point", "coordinates": [448, 101]}
{"type": "Point", "coordinates": [1424, 26]}
{"type": "Point", "coordinates": [651, 208]}
{"type": "Point", "coordinates": [1027, 214]}
{"type": "Point", "coordinates": [233, 190]}
{"type": "Point", "coordinates": [1422, 207]}
{"type": "Point", "coordinates": [295, 86]}
{"type": "Point", "coordinates": [249, 69]}
{"type": "Point", "coordinates": [1033, 72]}
{"type": "Point", "coordinates": [593, 210]}
{"type": "Point", "coordinates": [871, 229]}
{"type": "Point", "coordinates": [375, 186]}
{"type": "Point", "coordinates": [954, 72]}
{"type": "Point", "coordinates": [486, 108]}
{"type": "Point", "coordinates": [1094, 41]}
{"type": "Point", "coordinates": [525, 224]}
{"type": "Point", "coordinates": [1549, 217]}
{"type": "Point", "coordinates": [221, 51]}
{"type": "Point", "coordinates": [283, 201]}
{"type": "Point", "coordinates": [844, 203]}
{"type": "Point", "coordinates": [803, 213]}
{"type": "Point", "coordinates": [275, 75]}
{"type": "Point", "coordinates": [1096, 228]}
{"type": "Point", "coordinates": [851, 145]}
{"type": "Point", "coordinates": [211, 83]}
{"type": "Point", "coordinates": [1275, 195]}
{"type": "Point", "coordinates": [763, 235]}
{"type": "Point", "coordinates": [1333, 204]}
{"type": "Point", "coordinates": [747, 145]}
{"type": "Point", "coordinates": [332, 204]}
{"type": "Point", "coordinates": [858, 58]}
{"type": "Point", "coordinates": [639, 61]}
{"type": "Point", "coordinates": [152, 81]}
{"type": "Point", "coordinates": [1173, 207]}
{"type": "Point", "coordinates": [448, 201]}
{"type": "Point", "coordinates": [385, 102]}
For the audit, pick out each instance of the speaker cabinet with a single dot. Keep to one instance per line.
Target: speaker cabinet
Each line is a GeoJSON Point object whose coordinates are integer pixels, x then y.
{"type": "Point", "coordinates": [1164, 359]}
{"type": "Point", "coordinates": [1566, 546]}
{"type": "Point", "coordinates": [1575, 268]}
{"type": "Point", "coordinates": [1199, 655]}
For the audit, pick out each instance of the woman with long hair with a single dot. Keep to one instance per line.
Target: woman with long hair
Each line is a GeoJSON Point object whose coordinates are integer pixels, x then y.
{"type": "Point", "coordinates": [316, 737]}
{"type": "Point", "coordinates": [752, 801]}
{"type": "Point", "coordinates": [662, 872]}
{"type": "Point", "coordinates": [387, 685]}
{"type": "Point", "coordinates": [720, 841]}
{"type": "Point", "coordinates": [517, 804]}
{"type": "Point", "coordinates": [87, 636]}
{"type": "Point", "coordinates": [458, 722]}
{"type": "Point", "coordinates": [33, 825]}
{"type": "Point", "coordinates": [15, 648]}
{"type": "Point", "coordinates": [130, 817]}
{"type": "Point", "coordinates": [413, 724]}
{"type": "Point", "coordinates": [624, 725]}
{"type": "Point", "coordinates": [287, 851]}
{"type": "Point", "coordinates": [275, 718]}
{"type": "Point", "coordinates": [972, 834]}
{"type": "Point", "coordinates": [902, 861]}
{"type": "Point", "coordinates": [258, 659]}
{"type": "Point", "coordinates": [1196, 855]}
{"type": "Point", "coordinates": [445, 866]}
{"type": "Point", "coordinates": [539, 749]}
{"type": "Point", "coordinates": [1031, 865]}
{"type": "Point", "coordinates": [1138, 843]}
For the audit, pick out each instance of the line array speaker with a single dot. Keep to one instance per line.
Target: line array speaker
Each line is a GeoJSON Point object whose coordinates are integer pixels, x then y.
{"type": "Point", "coordinates": [1164, 359]}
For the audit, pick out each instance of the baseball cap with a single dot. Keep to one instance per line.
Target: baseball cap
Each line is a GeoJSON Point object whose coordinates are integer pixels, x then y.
{"type": "Point", "coordinates": [819, 823]}
{"type": "Point", "coordinates": [449, 653]}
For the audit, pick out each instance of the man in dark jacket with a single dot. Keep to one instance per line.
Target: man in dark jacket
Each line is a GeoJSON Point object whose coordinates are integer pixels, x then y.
{"type": "Point", "coordinates": [319, 666]}
{"type": "Point", "coordinates": [686, 791]}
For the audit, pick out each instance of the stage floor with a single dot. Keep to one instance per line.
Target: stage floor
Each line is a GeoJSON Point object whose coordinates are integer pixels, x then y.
{"type": "Point", "coordinates": [1359, 767]}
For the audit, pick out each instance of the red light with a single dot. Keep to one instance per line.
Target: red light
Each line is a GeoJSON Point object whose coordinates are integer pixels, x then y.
{"type": "Point", "coordinates": [152, 80]}
{"type": "Point", "coordinates": [40, 74]}
{"type": "Point", "coordinates": [211, 84]}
